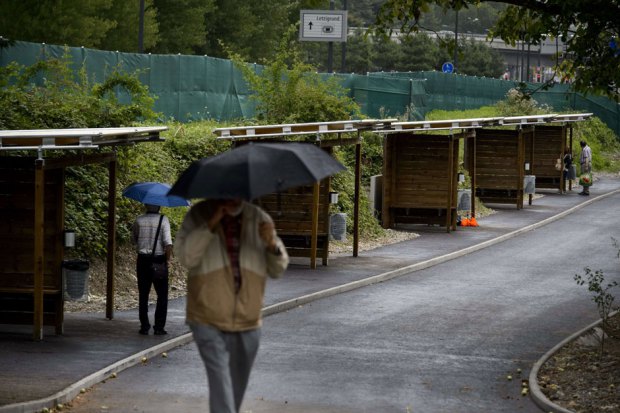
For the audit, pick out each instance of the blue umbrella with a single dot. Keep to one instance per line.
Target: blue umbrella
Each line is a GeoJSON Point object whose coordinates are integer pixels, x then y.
{"type": "Point", "coordinates": [154, 193]}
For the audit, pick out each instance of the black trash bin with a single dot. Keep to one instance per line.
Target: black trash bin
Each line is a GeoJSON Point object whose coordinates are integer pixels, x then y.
{"type": "Point", "coordinates": [75, 279]}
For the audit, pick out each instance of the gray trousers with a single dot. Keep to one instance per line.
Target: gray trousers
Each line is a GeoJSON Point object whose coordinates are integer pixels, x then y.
{"type": "Point", "coordinates": [228, 359]}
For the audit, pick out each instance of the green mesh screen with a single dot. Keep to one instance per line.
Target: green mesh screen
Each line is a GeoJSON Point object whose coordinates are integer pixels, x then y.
{"type": "Point", "coordinates": [198, 87]}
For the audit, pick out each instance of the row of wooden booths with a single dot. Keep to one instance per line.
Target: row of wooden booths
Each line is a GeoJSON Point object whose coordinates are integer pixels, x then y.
{"type": "Point", "coordinates": [419, 186]}
{"type": "Point", "coordinates": [420, 170]}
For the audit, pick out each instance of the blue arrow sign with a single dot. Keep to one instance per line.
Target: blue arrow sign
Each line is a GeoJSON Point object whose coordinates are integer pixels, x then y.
{"type": "Point", "coordinates": [447, 67]}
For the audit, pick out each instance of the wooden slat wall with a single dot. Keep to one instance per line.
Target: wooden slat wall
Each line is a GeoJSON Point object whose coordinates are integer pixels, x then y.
{"type": "Point", "coordinates": [548, 146]}
{"type": "Point", "coordinates": [500, 157]}
{"type": "Point", "coordinates": [293, 218]}
{"type": "Point", "coordinates": [418, 186]}
{"type": "Point", "coordinates": [17, 240]}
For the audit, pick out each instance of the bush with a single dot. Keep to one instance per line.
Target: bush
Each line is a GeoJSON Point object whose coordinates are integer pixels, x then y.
{"type": "Point", "coordinates": [602, 140]}
{"type": "Point", "coordinates": [50, 94]}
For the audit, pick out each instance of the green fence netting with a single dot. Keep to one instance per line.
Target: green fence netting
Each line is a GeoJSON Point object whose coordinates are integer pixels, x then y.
{"type": "Point", "coordinates": [202, 87]}
{"type": "Point", "coordinates": [458, 92]}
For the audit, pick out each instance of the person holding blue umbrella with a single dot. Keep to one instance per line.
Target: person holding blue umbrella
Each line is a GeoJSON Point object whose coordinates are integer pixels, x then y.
{"type": "Point", "coordinates": [153, 241]}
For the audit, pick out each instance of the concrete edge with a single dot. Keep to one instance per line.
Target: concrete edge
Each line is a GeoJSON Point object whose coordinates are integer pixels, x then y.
{"type": "Point", "coordinates": [295, 302]}
{"type": "Point", "coordinates": [68, 394]}
{"type": "Point", "coordinates": [535, 392]}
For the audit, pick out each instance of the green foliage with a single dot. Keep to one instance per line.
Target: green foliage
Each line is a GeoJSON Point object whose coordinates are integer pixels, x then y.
{"type": "Point", "coordinates": [86, 208]}
{"type": "Point", "coordinates": [251, 29]}
{"type": "Point", "coordinates": [182, 26]}
{"type": "Point", "coordinates": [482, 112]}
{"type": "Point", "coordinates": [289, 91]}
{"type": "Point", "coordinates": [48, 95]}
{"type": "Point", "coordinates": [601, 291]}
{"type": "Point", "coordinates": [344, 184]}
{"type": "Point", "coordinates": [162, 162]}
{"type": "Point", "coordinates": [605, 144]}
{"type": "Point", "coordinates": [126, 16]}
{"type": "Point", "coordinates": [519, 104]}
{"type": "Point", "coordinates": [71, 22]}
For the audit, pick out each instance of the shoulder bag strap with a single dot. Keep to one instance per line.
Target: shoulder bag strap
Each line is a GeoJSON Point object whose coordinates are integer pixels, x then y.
{"type": "Point", "coordinates": [161, 218]}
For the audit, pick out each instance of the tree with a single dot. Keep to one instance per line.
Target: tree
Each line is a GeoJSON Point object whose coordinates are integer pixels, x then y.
{"type": "Point", "coordinates": [589, 28]}
{"type": "Point", "coordinates": [419, 53]}
{"type": "Point", "coordinates": [386, 54]}
{"type": "Point", "coordinates": [182, 25]}
{"type": "Point", "coordinates": [124, 37]}
{"type": "Point", "coordinates": [290, 91]}
{"type": "Point", "coordinates": [250, 29]}
{"type": "Point", "coordinates": [359, 54]}
{"type": "Point", "coordinates": [478, 59]}
{"type": "Point", "coordinates": [70, 22]}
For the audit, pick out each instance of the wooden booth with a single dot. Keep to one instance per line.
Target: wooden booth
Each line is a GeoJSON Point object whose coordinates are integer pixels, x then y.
{"type": "Point", "coordinates": [497, 162]}
{"type": "Point", "coordinates": [302, 215]}
{"type": "Point", "coordinates": [547, 147]}
{"type": "Point", "coordinates": [420, 171]}
{"type": "Point", "coordinates": [32, 211]}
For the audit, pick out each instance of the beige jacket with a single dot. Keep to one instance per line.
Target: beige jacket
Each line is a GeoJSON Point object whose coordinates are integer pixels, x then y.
{"type": "Point", "coordinates": [211, 297]}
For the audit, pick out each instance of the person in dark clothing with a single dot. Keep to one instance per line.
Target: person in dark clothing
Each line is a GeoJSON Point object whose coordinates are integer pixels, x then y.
{"type": "Point", "coordinates": [152, 229]}
{"type": "Point", "coordinates": [568, 165]}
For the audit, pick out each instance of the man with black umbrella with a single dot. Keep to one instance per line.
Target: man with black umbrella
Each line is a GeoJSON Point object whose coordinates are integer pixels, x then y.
{"type": "Point", "coordinates": [229, 247]}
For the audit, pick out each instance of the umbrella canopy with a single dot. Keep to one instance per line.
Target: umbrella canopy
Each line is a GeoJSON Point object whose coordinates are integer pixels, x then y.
{"type": "Point", "coordinates": [254, 170]}
{"type": "Point", "coordinates": [153, 193]}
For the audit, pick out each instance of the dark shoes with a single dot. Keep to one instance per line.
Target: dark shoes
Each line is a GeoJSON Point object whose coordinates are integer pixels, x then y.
{"type": "Point", "coordinates": [156, 331]}
{"type": "Point", "coordinates": [584, 193]}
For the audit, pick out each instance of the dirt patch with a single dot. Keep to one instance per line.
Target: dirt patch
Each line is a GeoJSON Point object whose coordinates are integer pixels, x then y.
{"type": "Point", "coordinates": [582, 378]}
{"type": "Point", "coordinates": [125, 284]}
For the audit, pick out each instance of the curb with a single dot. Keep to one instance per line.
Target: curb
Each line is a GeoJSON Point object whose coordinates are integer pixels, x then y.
{"type": "Point", "coordinates": [295, 302]}
{"type": "Point", "coordinates": [535, 392]}
{"type": "Point", "coordinates": [68, 394]}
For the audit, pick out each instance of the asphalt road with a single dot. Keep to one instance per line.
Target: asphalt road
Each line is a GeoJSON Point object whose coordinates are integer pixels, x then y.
{"type": "Point", "coordinates": [443, 339]}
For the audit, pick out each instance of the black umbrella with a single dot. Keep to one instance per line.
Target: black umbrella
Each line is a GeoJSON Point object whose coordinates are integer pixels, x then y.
{"type": "Point", "coordinates": [254, 170]}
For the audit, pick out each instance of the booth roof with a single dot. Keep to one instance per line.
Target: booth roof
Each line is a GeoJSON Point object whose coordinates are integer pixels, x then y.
{"type": "Point", "coordinates": [77, 138]}
{"type": "Point", "coordinates": [389, 125]}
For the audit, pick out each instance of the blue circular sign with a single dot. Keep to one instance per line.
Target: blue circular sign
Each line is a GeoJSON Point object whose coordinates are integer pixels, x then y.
{"type": "Point", "coordinates": [447, 67]}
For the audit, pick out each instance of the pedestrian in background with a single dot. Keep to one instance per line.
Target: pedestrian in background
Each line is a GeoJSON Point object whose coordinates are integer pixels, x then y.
{"type": "Point", "coordinates": [229, 248]}
{"type": "Point", "coordinates": [153, 241]}
{"type": "Point", "coordinates": [568, 167]}
{"type": "Point", "coordinates": [585, 159]}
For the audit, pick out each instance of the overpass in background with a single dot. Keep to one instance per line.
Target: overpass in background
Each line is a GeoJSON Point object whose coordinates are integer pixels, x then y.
{"type": "Point", "coordinates": [539, 58]}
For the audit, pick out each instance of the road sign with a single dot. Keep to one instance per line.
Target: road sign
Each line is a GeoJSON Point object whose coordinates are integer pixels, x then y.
{"type": "Point", "coordinates": [323, 26]}
{"type": "Point", "coordinates": [447, 67]}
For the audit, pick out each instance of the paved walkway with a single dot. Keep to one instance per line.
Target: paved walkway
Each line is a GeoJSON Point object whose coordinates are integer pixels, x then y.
{"type": "Point", "coordinates": [39, 374]}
